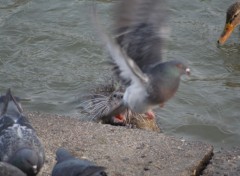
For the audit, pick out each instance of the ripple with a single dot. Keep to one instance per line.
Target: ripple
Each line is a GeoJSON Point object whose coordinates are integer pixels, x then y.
{"type": "Point", "coordinates": [50, 55]}
{"type": "Point", "coordinates": [9, 4]}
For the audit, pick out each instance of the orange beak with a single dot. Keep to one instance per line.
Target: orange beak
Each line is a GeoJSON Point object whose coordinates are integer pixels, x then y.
{"type": "Point", "coordinates": [226, 33]}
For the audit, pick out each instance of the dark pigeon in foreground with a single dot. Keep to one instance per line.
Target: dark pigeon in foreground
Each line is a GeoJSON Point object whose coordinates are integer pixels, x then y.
{"type": "Point", "coordinates": [136, 54]}
{"type": "Point", "coordinates": [19, 144]}
{"type": "Point", "coordinates": [67, 165]}
{"type": "Point", "coordinates": [7, 169]}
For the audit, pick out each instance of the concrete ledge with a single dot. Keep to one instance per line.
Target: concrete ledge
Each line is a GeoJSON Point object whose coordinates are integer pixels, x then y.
{"type": "Point", "coordinates": [124, 152]}
{"type": "Point", "coordinates": [224, 162]}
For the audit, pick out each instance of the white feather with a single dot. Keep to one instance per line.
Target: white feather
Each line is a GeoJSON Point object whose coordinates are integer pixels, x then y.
{"type": "Point", "coordinates": [18, 129]}
{"type": "Point", "coordinates": [135, 97]}
{"type": "Point", "coordinates": [128, 68]}
{"type": "Point", "coordinates": [19, 132]}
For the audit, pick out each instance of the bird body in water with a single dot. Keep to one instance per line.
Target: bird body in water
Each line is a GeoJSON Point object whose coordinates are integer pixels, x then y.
{"type": "Point", "coordinates": [232, 21]}
{"type": "Point", "coordinates": [19, 144]}
{"type": "Point", "coordinates": [137, 58]}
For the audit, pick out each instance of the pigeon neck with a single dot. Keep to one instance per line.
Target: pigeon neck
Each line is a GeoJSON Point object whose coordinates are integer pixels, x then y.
{"type": "Point", "coordinates": [63, 155]}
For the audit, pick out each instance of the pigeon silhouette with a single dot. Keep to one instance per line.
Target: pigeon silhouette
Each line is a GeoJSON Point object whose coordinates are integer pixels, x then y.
{"type": "Point", "coordinates": [7, 169]}
{"type": "Point", "coordinates": [19, 144]}
{"type": "Point", "coordinates": [67, 165]}
{"type": "Point", "coordinates": [137, 56]}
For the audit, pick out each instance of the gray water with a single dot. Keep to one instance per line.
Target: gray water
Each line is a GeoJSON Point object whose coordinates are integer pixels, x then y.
{"type": "Point", "coordinates": [50, 56]}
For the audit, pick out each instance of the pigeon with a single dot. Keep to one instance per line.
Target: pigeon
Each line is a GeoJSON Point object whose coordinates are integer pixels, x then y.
{"type": "Point", "coordinates": [136, 55]}
{"type": "Point", "coordinates": [19, 144]}
{"type": "Point", "coordinates": [67, 165]}
{"type": "Point", "coordinates": [104, 97]}
{"type": "Point", "coordinates": [7, 169]}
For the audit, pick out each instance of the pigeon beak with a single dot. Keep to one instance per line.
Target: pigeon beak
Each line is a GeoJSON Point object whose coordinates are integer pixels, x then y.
{"type": "Point", "coordinates": [35, 169]}
{"type": "Point", "coordinates": [187, 71]}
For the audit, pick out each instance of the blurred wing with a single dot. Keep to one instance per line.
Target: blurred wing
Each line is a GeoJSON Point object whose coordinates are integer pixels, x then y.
{"type": "Point", "coordinates": [131, 13]}
{"type": "Point", "coordinates": [128, 69]}
{"type": "Point", "coordinates": [138, 30]}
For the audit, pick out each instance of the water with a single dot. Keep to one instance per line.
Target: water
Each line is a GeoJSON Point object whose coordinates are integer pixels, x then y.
{"type": "Point", "coordinates": [50, 56]}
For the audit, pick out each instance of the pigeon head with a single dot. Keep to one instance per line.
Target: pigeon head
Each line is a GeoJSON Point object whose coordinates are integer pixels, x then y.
{"type": "Point", "coordinates": [10, 105]}
{"type": "Point", "coordinates": [62, 155]}
{"type": "Point", "coordinates": [26, 160]}
{"type": "Point", "coordinates": [174, 68]}
{"type": "Point", "coordinates": [169, 72]}
{"type": "Point", "coordinates": [165, 79]}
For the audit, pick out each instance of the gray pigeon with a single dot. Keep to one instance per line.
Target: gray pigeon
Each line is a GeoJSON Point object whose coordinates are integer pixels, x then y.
{"type": "Point", "coordinates": [7, 169]}
{"type": "Point", "coordinates": [19, 144]}
{"type": "Point", "coordinates": [137, 58]}
{"type": "Point", "coordinates": [67, 165]}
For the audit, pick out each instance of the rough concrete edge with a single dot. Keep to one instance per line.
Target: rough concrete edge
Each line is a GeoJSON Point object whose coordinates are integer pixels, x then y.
{"type": "Point", "coordinates": [204, 163]}
{"type": "Point", "coordinates": [196, 170]}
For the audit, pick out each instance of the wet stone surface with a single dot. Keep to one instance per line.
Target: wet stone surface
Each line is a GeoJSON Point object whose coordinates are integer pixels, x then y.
{"type": "Point", "coordinates": [123, 151]}
{"type": "Point", "coordinates": [224, 163]}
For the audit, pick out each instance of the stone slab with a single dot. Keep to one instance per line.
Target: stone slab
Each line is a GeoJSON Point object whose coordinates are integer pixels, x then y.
{"type": "Point", "coordinates": [123, 151]}
{"type": "Point", "coordinates": [224, 163]}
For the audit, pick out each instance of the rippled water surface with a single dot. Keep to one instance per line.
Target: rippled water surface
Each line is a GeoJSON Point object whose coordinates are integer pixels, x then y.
{"type": "Point", "coordinates": [50, 56]}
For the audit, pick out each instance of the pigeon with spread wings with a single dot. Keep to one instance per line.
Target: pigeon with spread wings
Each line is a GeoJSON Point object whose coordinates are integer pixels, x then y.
{"type": "Point", "coordinates": [136, 54]}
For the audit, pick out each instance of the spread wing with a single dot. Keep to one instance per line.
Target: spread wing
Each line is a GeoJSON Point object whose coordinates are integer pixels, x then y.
{"type": "Point", "coordinates": [138, 30]}
{"type": "Point", "coordinates": [127, 67]}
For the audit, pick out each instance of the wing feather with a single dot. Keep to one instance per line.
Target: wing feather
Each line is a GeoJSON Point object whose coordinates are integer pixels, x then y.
{"type": "Point", "coordinates": [138, 27]}
{"type": "Point", "coordinates": [128, 68]}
